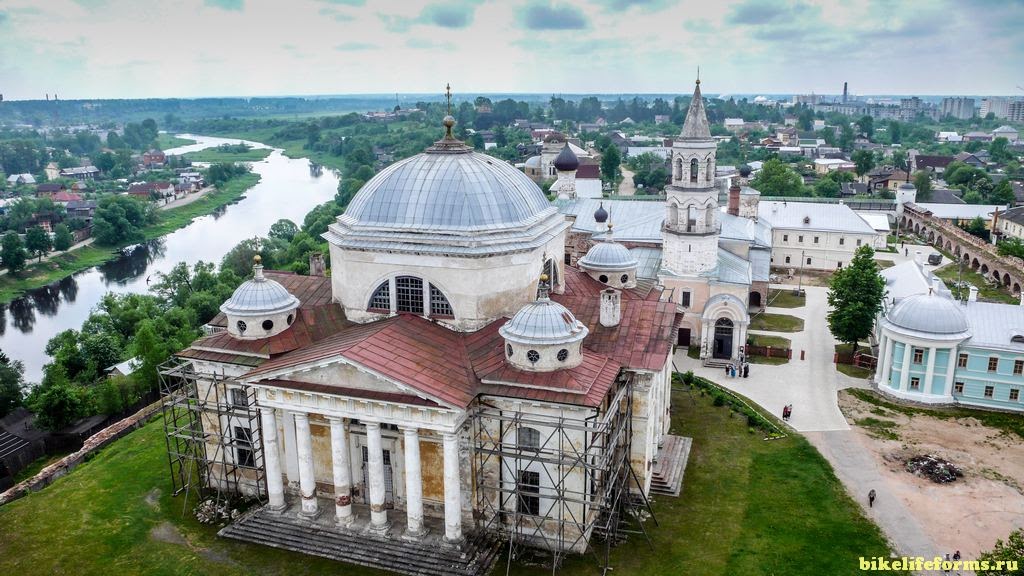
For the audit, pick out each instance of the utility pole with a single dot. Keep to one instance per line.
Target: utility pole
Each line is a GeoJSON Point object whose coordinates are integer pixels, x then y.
{"type": "Point", "coordinates": [800, 283]}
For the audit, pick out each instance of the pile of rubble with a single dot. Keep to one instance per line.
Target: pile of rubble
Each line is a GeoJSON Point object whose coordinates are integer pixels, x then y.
{"type": "Point", "coordinates": [934, 468]}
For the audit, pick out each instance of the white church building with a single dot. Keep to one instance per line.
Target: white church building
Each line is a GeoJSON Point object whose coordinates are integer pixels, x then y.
{"type": "Point", "coordinates": [453, 383]}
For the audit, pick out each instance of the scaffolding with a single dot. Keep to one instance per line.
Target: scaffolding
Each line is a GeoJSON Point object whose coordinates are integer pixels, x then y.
{"type": "Point", "coordinates": [563, 484]}
{"type": "Point", "coordinates": [213, 434]}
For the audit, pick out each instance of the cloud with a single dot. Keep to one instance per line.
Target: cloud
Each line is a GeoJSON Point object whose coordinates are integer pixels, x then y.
{"type": "Point", "coordinates": [345, 2]}
{"type": "Point", "coordinates": [448, 15]}
{"type": "Point", "coordinates": [355, 46]}
{"type": "Point", "coordinates": [551, 17]}
{"type": "Point", "coordinates": [760, 12]}
{"type": "Point", "coordinates": [337, 16]}
{"type": "Point", "coordinates": [232, 5]}
{"type": "Point", "coordinates": [3, 17]}
{"type": "Point", "coordinates": [648, 5]}
{"type": "Point", "coordinates": [395, 23]}
{"type": "Point", "coordinates": [427, 44]}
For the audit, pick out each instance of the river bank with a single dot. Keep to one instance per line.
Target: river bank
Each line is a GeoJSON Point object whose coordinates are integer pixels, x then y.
{"type": "Point", "coordinates": [47, 272]}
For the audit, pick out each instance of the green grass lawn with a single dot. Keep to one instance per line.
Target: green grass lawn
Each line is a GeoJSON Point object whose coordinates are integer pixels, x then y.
{"type": "Point", "coordinates": [693, 352]}
{"type": "Point", "coordinates": [950, 273]}
{"type": "Point", "coordinates": [850, 369]}
{"type": "Point", "coordinates": [766, 340]}
{"type": "Point", "coordinates": [41, 274]}
{"type": "Point", "coordinates": [167, 141]}
{"type": "Point", "coordinates": [1007, 422]}
{"type": "Point", "coordinates": [769, 322]}
{"type": "Point", "coordinates": [786, 299]}
{"type": "Point", "coordinates": [749, 506]}
{"type": "Point", "coordinates": [215, 155]}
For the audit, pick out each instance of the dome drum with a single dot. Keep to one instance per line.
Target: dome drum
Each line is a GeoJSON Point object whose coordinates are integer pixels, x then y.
{"type": "Point", "coordinates": [543, 336]}
{"type": "Point", "coordinates": [929, 316]}
{"type": "Point", "coordinates": [259, 308]}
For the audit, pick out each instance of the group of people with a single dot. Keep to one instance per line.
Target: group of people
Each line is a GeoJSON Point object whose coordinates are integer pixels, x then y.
{"type": "Point", "coordinates": [787, 411]}
{"type": "Point", "coordinates": [737, 370]}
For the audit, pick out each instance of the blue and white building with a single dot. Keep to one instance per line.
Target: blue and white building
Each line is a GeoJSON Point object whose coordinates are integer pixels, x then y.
{"type": "Point", "coordinates": [934, 349]}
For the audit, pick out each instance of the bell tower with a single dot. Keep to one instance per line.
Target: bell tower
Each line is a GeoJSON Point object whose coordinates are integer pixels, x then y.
{"type": "Point", "coordinates": [690, 233]}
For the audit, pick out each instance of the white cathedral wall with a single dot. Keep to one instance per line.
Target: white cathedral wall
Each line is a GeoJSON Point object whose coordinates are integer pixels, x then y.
{"type": "Point", "coordinates": [479, 290]}
{"type": "Point", "coordinates": [831, 248]}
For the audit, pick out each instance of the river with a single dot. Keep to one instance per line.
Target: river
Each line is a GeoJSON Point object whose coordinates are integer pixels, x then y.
{"type": "Point", "coordinates": [287, 189]}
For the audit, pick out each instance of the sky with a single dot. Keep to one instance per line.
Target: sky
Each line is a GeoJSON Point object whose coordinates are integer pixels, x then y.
{"type": "Point", "coordinates": [195, 48]}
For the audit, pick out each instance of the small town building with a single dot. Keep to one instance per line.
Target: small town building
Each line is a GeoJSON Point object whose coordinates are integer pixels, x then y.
{"type": "Point", "coordinates": [815, 236]}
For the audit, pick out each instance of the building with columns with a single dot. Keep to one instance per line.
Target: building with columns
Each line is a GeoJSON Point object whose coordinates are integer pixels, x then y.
{"type": "Point", "coordinates": [452, 383]}
{"type": "Point", "coordinates": [935, 349]}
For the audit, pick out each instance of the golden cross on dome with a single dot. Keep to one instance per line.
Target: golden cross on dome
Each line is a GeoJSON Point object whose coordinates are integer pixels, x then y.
{"type": "Point", "coordinates": [448, 96]}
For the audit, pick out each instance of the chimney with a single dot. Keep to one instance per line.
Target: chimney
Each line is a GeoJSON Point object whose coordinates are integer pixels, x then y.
{"type": "Point", "coordinates": [973, 297]}
{"type": "Point", "coordinates": [935, 285]}
{"type": "Point", "coordinates": [734, 200]}
{"type": "Point", "coordinates": [611, 311]}
{"type": "Point", "coordinates": [316, 264]}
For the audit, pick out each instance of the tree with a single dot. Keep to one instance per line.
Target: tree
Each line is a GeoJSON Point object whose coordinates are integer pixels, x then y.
{"type": "Point", "coordinates": [846, 137]}
{"type": "Point", "coordinates": [610, 160]}
{"type": "Point", "coordinates": [283, 229]}
{"type": "Point", "coordinates": [58, 402]}
{"type": "Point", "coordinates": [864, 159]}
{"type": "Point", "coordinates": [1012, 549]}
{"type": "Point", "coordinates": [827, 188]}
{"type": "Point", "coordinates": [38, 242]}
{"type": "Point", "coordinates": [976, 227]}
{"type": "Point", "coordinates": [999, 151]}
{"type": "Point", "coordinates": [855, 298]}
{"type": "Point", "coordinates": [778, 179]}
{"type": "Point", "coordinates": [923, 183]}
{"type": "Point", "coordinates": [119, 219]}
{"type": "Point", "coordinates": [12, 252]}
{"type": "Point", "coordinates": [1002, 193]}
{"type": "Point", "coordinates": [895, 132]}
{"type": "Point", "coordinates": [12, 382]}
{"type": "Point", "coordinates": [866, 125]}
{"type": "Point", "coordinates": [899, 159]}
{"type": "Point", "coordinates": [62, 237]}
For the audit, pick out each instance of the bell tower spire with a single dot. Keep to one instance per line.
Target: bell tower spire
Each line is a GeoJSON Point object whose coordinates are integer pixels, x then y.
{"type": "Point", "coordinates": [690, 234]}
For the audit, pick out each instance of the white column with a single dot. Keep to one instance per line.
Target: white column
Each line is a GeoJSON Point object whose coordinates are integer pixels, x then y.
{"type": "Point", "coordinates": [342, 468]}
{"type": "Point", "coordinates": [291, 455]}
{"type": "Point", "coordinates": [307, 480]}
{"type": "Point", "coordinates": [884, 359]}
{"type": "Point", "coordinates": [908, 351]}
{"type": "Point", "coordinates": [413, 484]}
{"type": "Point", "coordinates": [426, 298]}
{"type": "Point", "coordinates": [272, 460]}
{"type": "Point", "coordinates": [452, 490]}
{"type": "Point", "coordinates": [375, 469]}
{"type": "Point", "coordinates": [950, 370]}
{"type": "Point", "coordinates": [929, 373]}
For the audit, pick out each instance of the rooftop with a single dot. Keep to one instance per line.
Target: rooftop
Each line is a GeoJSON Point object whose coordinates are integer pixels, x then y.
{"type": "Point", "coordinates": [812, 216]}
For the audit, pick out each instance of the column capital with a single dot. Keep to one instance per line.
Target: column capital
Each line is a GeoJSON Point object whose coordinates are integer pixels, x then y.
{"type": "Point", "coordinates": [335, 419]}
{"type": "Point", "coordinates": [371, 425]}
{"type": "Point", "coordinates": [267, 410]}
{"type": "Point", "coordinates": [301, 415]}
{"type": "Point", "coordinates": [409, 430]}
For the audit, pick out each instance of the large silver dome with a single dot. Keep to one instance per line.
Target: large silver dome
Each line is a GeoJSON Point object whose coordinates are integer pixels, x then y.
{"type": "Point", "coordinates": [448, 190]}
{"type": "Point", "coordinates": [929, 313]}
{"type": "Point", "coordinates": [259, 296]}
{"type": "Point", "coordinates": [543, 322]}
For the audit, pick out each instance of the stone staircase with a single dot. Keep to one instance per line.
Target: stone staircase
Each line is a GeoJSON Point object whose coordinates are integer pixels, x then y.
{"type": "Point", "coordinates": [717, 362]}
{"type": "Point", "coordinates": [670, 466]}
{"type": "Point", "coordinates": [428, 557]}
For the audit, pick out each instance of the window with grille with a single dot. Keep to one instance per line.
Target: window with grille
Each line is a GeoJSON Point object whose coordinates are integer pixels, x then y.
{"type": "Point", "coordinates": [243, 447]}
{"type": "Point", "coordinates": [915, 383]}
{"type": "Point", "coordinates": [381, 299]}
{"type": "Point", "coordinates": [993, 364]}
{"type": "Point", "coordinates": [529, 490]}
{"type": "Point", "coordinates": [989, 391]}
{"type": "Point", "coordinates": [961, 361]}
{"type": "Point", "coordinates": [958, 387]}
{"type": "Point", "coordinates": [409, 294]}
{"type": "Point", "coordinates": [1014, 394]}
{"type": "Point", "coordinates": [918, 355]}
{"type": "Point", "coordinates": [1018, 367]}
{"type": "Point", "coordinates": [439, 305]}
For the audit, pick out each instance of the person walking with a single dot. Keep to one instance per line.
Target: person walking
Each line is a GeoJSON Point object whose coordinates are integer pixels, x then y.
{"type": "Point", "coordinates": [785, 413]}
{"type": "Point", "coordinates": [727, 366]}
{"type": "Point", "coordinates": [871, 498]}
{"type": "Point", "coordinates": [746, 370]}
{"type": "Point", "coordinates": [790, 415]}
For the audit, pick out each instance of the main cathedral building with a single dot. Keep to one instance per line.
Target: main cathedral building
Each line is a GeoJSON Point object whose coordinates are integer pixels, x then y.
{"type": "Point", "coordinates": [454, 383]}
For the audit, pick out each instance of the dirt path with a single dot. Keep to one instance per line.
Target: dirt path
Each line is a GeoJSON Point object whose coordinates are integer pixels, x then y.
{"type": "Point", "coordinates": [626, 187]}
{"type": "Point", "coordinates": [187, 199]}
{"type": "Point", "coordinates": [968, 514]}
{"type": "Point", "coordinates": [54, 254]}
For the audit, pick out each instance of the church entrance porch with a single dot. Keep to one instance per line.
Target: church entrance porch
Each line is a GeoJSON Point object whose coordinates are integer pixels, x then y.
{"type": "Point", "coordinates": [723, 339]}
{"type": "Point", "coordinates": [358, 544]}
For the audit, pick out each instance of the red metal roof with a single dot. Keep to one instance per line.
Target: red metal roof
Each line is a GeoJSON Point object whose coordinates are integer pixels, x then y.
{"type": "Point", "coordinates": [454, 367]}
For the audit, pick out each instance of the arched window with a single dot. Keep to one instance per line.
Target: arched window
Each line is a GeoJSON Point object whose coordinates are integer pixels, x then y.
{"type": "Point", "coordinates": [528, 438]}
{"type": "Point", "coordinates": [693, 170]}
{"type": "Point", "coordinates": [677, 173]}
{"type": "Point", "coordinates": [710, 172]}
{"type": "Point", "coordinates": [381, 299]}
{"type": "Point", "coordinates": [439, 305]}
{"type": "Point", "coordinates": [409, 294]}
{"type": "Point", "coordinates": [673, 214]}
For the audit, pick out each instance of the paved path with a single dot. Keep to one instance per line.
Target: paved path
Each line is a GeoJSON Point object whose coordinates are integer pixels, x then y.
{"type": "Point", "coordinates": [54, 254]}
{"type": "Point", "coordinates": [626, 187]}
{"type": "Point", "coordinates": [187, 199]}
{"type": "Point", "coordinates": [856, 467]}
{"type": "Point", "coordinates": [810, 385]}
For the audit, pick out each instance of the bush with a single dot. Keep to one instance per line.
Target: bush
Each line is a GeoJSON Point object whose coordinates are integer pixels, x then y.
{"type": "Point", "coordinates": [719, 400]}
{"type": "Point", "coordinates": [688, 377]}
